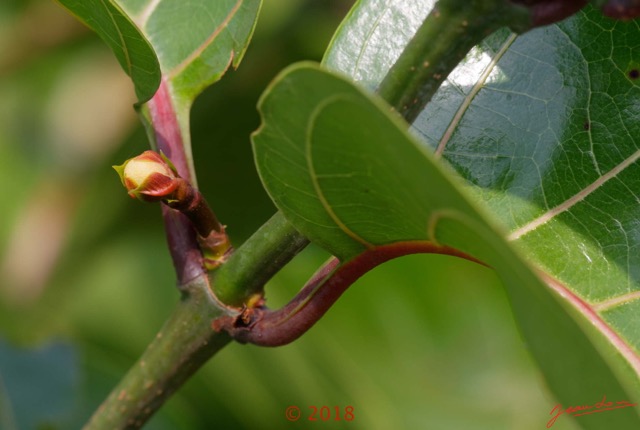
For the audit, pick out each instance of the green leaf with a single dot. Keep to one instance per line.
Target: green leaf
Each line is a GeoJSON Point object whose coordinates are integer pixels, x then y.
{"type": "Point", "coordinates": [131, 48]}
{"type": "Point", "coordinates": [195, 41]}
{"type": "Point", "coordinates": [189, 44]}
{"type": "Point", "coordinates": [344, 172]}
{"type": "Point", "coordinates": [542, 127]}
{"type": "Point", "coordinates": [373, 36]}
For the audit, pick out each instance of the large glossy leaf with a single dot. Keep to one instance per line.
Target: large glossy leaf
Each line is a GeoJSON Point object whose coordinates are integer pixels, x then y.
{"type": "Point", "coordinates": [543, 126]}
{"type": "Point", "coordinates": [347, 175]}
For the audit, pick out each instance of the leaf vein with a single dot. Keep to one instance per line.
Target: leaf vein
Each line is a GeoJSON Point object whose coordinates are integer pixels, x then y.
{"type": "Point", "coordinates": [616, 301]}
{"type": "Point", "coordinates": [577, 198]}
{"type": "Point", "coordinates": [200, 49]}
{"type": "Point", "coordinates": [446, 137]}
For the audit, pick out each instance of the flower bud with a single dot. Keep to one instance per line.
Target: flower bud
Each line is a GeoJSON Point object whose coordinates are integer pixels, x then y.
{"type": "Point", "coordinates": [149, 177]}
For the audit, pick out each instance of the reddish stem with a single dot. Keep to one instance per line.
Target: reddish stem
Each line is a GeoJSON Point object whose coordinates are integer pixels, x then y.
{"type": "Point", "coordinates": [212, 238]}
{"type": "Point", "coordinates": [167, 131]}
{"type": "Point", "coordinates": [546, 12]}
{"type": "Point", "coordinates": [264, 327]}
{"type": "Point", "coordinates": [181, 236]}
{"type": "Point", "coordinates": [622, 9]}
{"type": "Point", "coordinates": [191, 202]}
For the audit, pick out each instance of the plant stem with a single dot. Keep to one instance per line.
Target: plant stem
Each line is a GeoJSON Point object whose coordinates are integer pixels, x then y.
{"type": "Point", "coordinates": [197, 240]}
{"type": "Point", "coordinates": [184, 343]}
{"type": "Point", "coordinates": [257, 260]}
{"type": "Point", "coordinates": [212, 237]}
{"type": "Point", "coordinates": [452, 28]}
{"type": "Point", "coordinates": [263, 327]}
{"type": "Point", "coordinates": [166, 134]}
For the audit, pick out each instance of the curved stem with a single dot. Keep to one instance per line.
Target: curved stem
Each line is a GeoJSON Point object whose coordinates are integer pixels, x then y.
{"type": "Point", "coordinates": [183, 246]}
{"type": "Point", "coordinates": [275, 328]}
{"type": "Point", "coordinates": [188, 200]}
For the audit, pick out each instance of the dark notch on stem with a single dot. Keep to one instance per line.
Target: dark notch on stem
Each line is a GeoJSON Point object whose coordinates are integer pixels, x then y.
{"type": "Point", "coordinates": [544, 12]}
{"type": "Point", "coordinates": [264, 327]}
{"type": "Point", "coordinates": [619, 9]}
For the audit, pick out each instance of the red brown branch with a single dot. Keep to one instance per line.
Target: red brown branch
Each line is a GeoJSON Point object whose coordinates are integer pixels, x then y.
{"type": "Point", "coordinates": [544, 12]}
{"type": "Point", "coordinates": [261, 326]}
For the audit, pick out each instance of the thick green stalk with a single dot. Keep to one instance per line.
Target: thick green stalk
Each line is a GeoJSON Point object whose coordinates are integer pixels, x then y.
{"type": "Point", "coordinates": [258, 259]}
{"type": "Point", "coordinates": [452, 28]}
{"type": "Point", "coordinates": [184, 343]}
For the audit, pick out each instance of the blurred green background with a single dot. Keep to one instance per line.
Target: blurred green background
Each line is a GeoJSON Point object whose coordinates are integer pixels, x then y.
{"type": "Point", "coordinates": [86, 281]}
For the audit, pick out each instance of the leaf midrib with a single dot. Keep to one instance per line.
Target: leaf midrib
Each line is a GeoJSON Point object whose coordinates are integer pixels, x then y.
{"type": "Point", "coordinates": [212, 37]}
{"type": "Point", "coordinates": [143, 18]}
{"type": "Point", "coordinates": [466, 103]}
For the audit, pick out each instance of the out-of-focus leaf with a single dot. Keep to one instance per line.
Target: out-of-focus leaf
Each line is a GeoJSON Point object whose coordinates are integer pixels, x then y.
{"type": "Point", "coordinates": [38, 388]}
{"type": "Point", "coordinates": [131, 48]}
{"type": "Point", "coordinates": [346, 175]}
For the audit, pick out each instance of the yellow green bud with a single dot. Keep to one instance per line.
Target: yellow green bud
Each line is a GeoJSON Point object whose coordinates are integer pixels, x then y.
{"type": "Point", "coordinates": [149, 177]}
